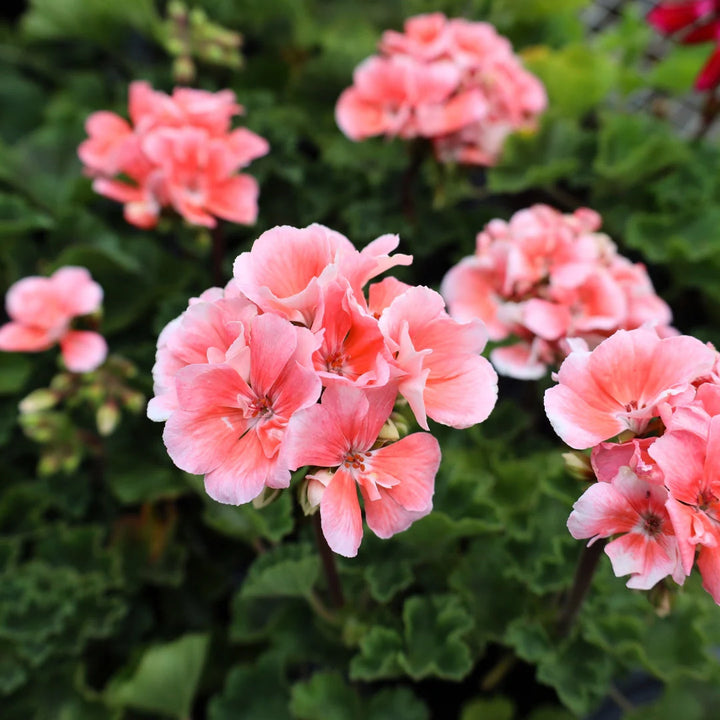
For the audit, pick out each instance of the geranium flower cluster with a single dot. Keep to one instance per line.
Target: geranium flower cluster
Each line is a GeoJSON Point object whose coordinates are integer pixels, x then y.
{"type": "Point", "coordinates": [178, 150]}
{"type": "Point", "coordinates": [658, 480]}
{"type": "Point", "coordinates": [41, 310]}
{"type": "Point", "coordinates": [293, 364]}
{"type": "Point", "coordinates": [455, 82]}
{"type": "Point", "coordinates": [545, 277]}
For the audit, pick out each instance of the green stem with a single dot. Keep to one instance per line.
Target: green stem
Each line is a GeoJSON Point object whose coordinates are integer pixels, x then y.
{"type": "Point", "coordinates": [328, 561]}
{"type": "Point", "coordinates": [581, 584]}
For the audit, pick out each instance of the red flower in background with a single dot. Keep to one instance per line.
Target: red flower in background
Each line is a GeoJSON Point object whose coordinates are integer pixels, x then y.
{"type": "Point", "coordinates": [697, 21]}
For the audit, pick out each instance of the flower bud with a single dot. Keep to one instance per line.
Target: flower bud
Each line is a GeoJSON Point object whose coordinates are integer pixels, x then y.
{"type": "Point", "coordinates": [311, 491]}
{"type": "Point", "coordinates": [134, 401]}
{"type": "Point", "coordinates": [266, 497]}
{"type": "Point", "coordinates": [42, 399]}
{"type": "Point", "coordinates": [107, 418]}
{"type": "Point", "coordinates": [183, 70]}
{"type": "Point", "coordinates": [389, 432]}
{"type": "Point", "coordinates": [578, 466]}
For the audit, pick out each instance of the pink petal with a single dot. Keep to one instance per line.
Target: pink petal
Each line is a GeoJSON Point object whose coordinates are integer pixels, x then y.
{"type": "Point", "coordinates": [235, 199]}
{"type": "Point", "coordinates": [385, 517]}
{"type": "Point", "coordinates": [340, 516]}
{"type": "Point", "coordinates": [83, 350]}
{"type": "Point", "coordinates": [547, 320]}
{"type": "Point", "coordinates": [518, 361]}
{"type": "Point", "coordinates": [601, 511]}
{"type": "Point", "coordinates": [80, 294]}
{"type": "Point", "coordinates": [680, 456]}
{"type": "Point", "coordinates": [359, 118]}
{"type": "Point", "coordinates": [709, 566]}
{"type": "Point", "coordinates": [273, 342]}
{"type": "Point", "coordinates": [642, 557]}
{"type": "Point", "coordinates": [16, 337]}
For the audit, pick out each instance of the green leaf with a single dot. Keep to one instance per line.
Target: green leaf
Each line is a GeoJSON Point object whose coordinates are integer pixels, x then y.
{"type": "Point", "coordinates": [379, 655]}
{"type": "Point", "coordinates": [499, 708]}
{"type": "Point", "coordinates": [284, 571]}
{"type": "Point", "coordinates": [576, 77]}
{"type": "Point", "coordinates": [676, 72]}
{"type": "Point", "coordinates": [17, 216]}
{"type": "Point", "coordinates": [634, 148]}
{"type": "Point", "coordinates": [253, 692]}
{"type": "Point", "coordinates": [434, 630]}
{"type": "Point", "coordinates": [15, 370]}
{"type": "Point", "coordinates": [386, 579]}
{"type": "Point", "coordinates": [325, 695]}
{"type": "Point", "coordinates": [397, 703]}
{"type": "Point", "coordinates": [165, 680]}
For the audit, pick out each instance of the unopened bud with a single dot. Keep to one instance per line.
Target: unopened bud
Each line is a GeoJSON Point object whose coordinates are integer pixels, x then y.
{"type": "Point", "coordinates": [177, 10]}
{"type": "Point", "coordinates": [42, 399]}
{"type": "Point", "coordinates": [134, 401]}
{"type": "Point", "coordinates": [62, 383]}
{"type": "Point", "coordinates": [388, 432]}
{"type": "Point", "coordinates": [198, 17]}
{"type": "Point", "coordinates": [42, 427]}
{"type": "Point", "coordinates": [107, 418]}
{"type": "Point", "coordinates": [175, 46]}
{"type": "Point", "coordinates": [183, 70]}
{"type": "Point", "coordinates": [267, 496]}
{"type": "Point", "coordinates": [400, 423]}
{"type": "Point", "coordinates": [578, 465]}
{"type": "Point", "coordinates": [213, 53]}
{"type": "Point", "coordinates": [312, 489]}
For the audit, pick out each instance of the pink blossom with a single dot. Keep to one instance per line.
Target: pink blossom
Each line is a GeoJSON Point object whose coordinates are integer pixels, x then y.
{"type": "Point", "coordinates": [455, 82]}
{"type": "Point", "coordinates": [444, 375]}
{"type": "Point", "coordinates": [202, 334]}
{"type": "Point", "coordinates": [41, 310]}
{"type": "Point", "coordinates": [545, 278]}
{"type": "Point", "coordinates": [395, 480]}
{"type": "Point", "coordinates": [231, 418]}
{"type": "Point", "coordinates": [622, 384]}
{"type": "Point", "coordinates": [178, 150]}
{"type": "Point", "coordinates": [647, 549]}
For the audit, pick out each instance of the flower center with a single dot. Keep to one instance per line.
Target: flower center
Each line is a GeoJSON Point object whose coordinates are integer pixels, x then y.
{"type": "Point", "coordinates": [355, 460]}
{"type": "Point", "coordinates": [335, 362]}
{"type": "Point", "coordinates": [261, 406]}
{"type": "Point", "coordinates": [652, 524]}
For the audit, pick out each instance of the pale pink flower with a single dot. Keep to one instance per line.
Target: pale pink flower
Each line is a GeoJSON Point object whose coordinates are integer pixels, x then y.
{"type": "Point", "coordinates": [41, 310]}
{"type": "Point", "coordinates": [232, 417]}
{"type": "Point", "coordinates": [287, 267]}
{"type": "Point", "coordinates": [444, 375]}
{"type": "Point", "coordinates": [178, 150]}
{"type": "Point", "coordinates": [545, 278]}
{"type": "Point", "coordinates": [647, 548]}
{"type": "Point", "coordinates": [455, 82]}
{"type": "Point", "coordinates": [690, 465]}
{"type": "Point", "coordinates": [622, 384]}
{"type": "Point", "coordinates": [395, 480]}
{"type": "Point", "coordinates": [202, 334]}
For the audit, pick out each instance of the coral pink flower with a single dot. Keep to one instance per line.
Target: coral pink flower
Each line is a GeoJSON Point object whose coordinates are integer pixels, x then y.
{"type": "Point", "coordinates": [690, 463]}
{"type": "Point", "coordinates": [622, 384]}
{"type": "Point", "coordinates": [202, 334]}
{"type": "Point", "coordinates": [287, 266]}
{"type": "Point", "coordinates": [353, 349]}
{"type": "Point", "coordinates": [546, 278]}
{"type": "Point", "coordinates": [395, 480]}
{"type": "Point", "coordinates": [444, 375]}
{"type": "Point", "coordinates": [647, 549]}
{"type": "Point", "coordinates": [231, 418]}
{"type": "Point", "coordinates": [41, 310]}
{"type": "Point", "coordinates": [454, 82]}
{"type": "Point", "coordinates": [179, 151]}
{"type": "Point", "coordinates": [607, 458]}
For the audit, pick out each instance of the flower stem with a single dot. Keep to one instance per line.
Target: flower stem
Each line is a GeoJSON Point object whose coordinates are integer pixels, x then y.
{"type": "Point", "coordinates": [218, 253]}
{"type": "Point", "coordinates": [709, 112]}
{"type": "Point", "coordinates": [581, 584]}
{"type": "Point", "coordinates": [328, 562]}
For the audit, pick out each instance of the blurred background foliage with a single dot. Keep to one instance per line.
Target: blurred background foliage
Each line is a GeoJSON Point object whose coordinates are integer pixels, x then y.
{"type": "Point", "coordinates": [124, 591]}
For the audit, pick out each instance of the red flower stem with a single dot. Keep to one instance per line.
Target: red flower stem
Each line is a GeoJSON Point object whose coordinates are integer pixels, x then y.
{"type": "Point", "coordinates": [328, 562]}
{"type": "Point", "coordinates": [709, 113]}
{"type": "Point", "coordinates": [581, 584]}
{"type": "Point", "coordinates": [218, 253]}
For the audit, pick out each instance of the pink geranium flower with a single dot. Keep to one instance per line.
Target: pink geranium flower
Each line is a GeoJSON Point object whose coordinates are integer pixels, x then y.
{"type": "Point", "coordinates": [623, 384]}
{"type": "Point", "coordinates": [455, 82]}
{"type": "Point", "coordinates": [647, 548]}
{"type": "Point", "coordinates": [178, 150]}
{"type": "Point", "coordinates": [444, 375]}
{"type": "Point", "coordinates": [395, 480]}
{"type": "Point", "coordinates": [41, 310]}
{"type": "Point", "coordinates": [545, 278]}
{"type": "Point", "coordinates": [232, 416]}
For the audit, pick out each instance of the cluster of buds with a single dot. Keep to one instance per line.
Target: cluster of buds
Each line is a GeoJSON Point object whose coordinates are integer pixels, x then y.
{"type": "Point", "coordinates": [47, 414]}
{"type": "Point", "coordinates": [293, 364]}
{"type": "Point", "coordinates": [188, 33]}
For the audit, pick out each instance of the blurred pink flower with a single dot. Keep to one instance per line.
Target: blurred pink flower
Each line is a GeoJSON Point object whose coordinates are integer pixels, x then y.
{"type": "Point", "coordinates": [41, 310]}
{"type": "Point", "coordinates": [455, 82]}
{"type": "Point", "coordinates": [179, 151]}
